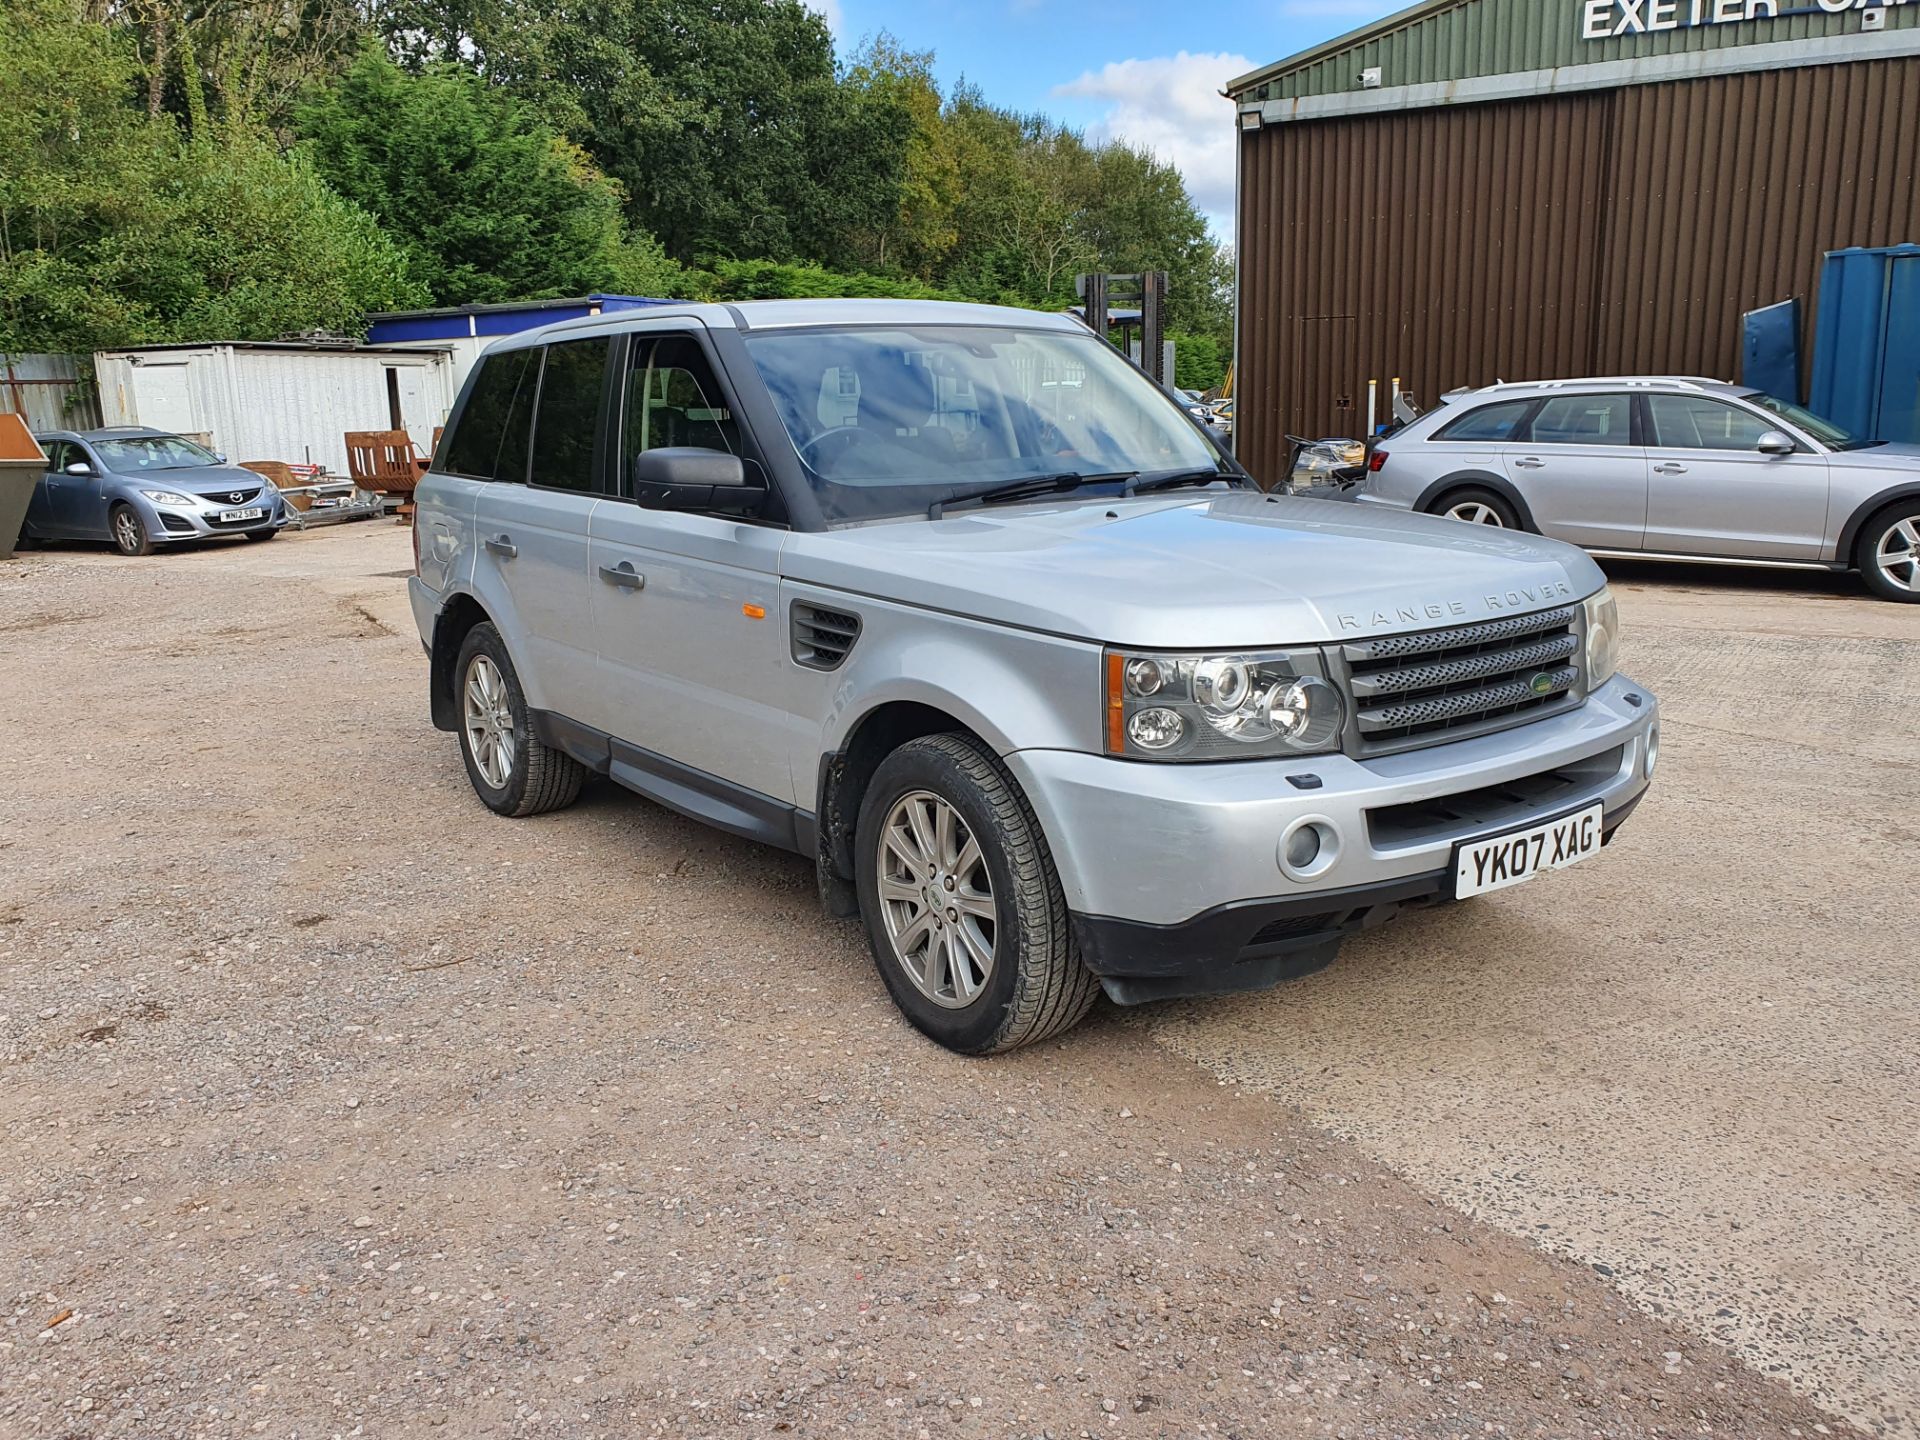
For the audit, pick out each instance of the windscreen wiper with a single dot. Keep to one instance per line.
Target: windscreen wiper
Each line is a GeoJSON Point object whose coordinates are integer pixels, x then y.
{"type": "Point", "coordinates": [1174, 479]}
{"type": "Point", "coordinates": [1024, 489]}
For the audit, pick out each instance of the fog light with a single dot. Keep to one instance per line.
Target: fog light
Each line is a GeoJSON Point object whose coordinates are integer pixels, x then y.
{"type": "Point", "coordinates": [1653, 747]}
{"type": "Point", "coordinates": [1303, 847]}
{"type": "Point", "coordinates": [1309, 847]}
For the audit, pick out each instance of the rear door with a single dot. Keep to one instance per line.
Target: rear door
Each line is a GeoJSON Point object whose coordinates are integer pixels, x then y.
{"type": "Point", "coordinates": [693, 649]}
{"type": "Point", "coordinates": [532, 522]}
{"type": "Point", "coordinates": [530, 517]}
{"type": "Point", "coordinates": [1714, 493]}
{"type": "Point", "coordinates": [1583, 472]}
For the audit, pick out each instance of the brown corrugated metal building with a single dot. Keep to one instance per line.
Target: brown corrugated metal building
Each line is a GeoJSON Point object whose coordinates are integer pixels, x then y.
{"type": "Point", "coordinates": [1472, 190]}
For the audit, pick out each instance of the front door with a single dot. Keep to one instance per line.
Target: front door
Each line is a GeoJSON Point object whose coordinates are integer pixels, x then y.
{"type": "Point", "coordinates": [1713, 492]}
{"type": "Point", "coordinates": [75, 504]}
{"type": "Point", "coordinates": [1581, 473]}
{"type": "Point", "coordinates": [685, 606]}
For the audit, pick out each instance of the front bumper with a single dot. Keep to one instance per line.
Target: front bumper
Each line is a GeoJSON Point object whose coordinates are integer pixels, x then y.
{"type": "Point", "coordinates": [202, 522]}
{"type": "Point", "coordinates": [1173, 873]}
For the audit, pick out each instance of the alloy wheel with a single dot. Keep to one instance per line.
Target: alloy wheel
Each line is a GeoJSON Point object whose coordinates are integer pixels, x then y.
{"type": "Point", "coordinates": [126, 530]}
{"type": "Point", "coordinates": [936, 899]}
{"type": "Point", "coordinates": [1475, 512]}
{"type": "Point", "coordinates": [1898, 554]}
{"type": "Point", "coordinates": [488, 720]}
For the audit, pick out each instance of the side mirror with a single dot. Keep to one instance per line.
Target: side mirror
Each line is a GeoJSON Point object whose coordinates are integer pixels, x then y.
{"type": "Point", "coordinates": [79, 467]}
{"type": "Point", "coordinates": [219, 459]}
{"type": "Point", "coordinates": [1775, 443]}
{"type": "Point", "coordinates": [686, 477]}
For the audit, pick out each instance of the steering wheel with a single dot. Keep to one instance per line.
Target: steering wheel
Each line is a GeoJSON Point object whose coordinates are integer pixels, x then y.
{"type": "Point", "coordinates": [847, 435]}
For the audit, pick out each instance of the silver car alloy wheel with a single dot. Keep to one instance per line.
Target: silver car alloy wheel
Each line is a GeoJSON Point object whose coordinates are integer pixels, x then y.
{"type": "Point", "coordinates": [126, 530]}
{"type": "Point", "coordinates": [489, 722]}
{"type": "Point", "coordinates": [1474, 512]}
{"type": "Point", "coordinates": [936, 899]}
{"type": "Point", "coordinates": [1898, 554]}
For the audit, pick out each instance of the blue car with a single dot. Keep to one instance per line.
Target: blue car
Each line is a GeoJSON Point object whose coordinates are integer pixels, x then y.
{"type": "Point", "coordinates": [137, 488]}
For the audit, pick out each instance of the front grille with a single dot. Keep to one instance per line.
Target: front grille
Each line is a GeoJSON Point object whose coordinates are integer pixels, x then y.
{"type": "Point", "coordinates": [1432, 686]}
{"type": "Point", "coordinates": [1490, 807]}
{"type": "Point", "coordinates": [231, 497]}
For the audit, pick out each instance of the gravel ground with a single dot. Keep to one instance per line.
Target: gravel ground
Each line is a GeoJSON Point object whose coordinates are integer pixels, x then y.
{"type": "Point", "coordinates": [336, 1106]}
{"type": "Point", "coordinates": [1692, 1064]}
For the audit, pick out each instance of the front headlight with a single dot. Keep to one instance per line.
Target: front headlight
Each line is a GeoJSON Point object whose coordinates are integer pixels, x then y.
{"type": "Point", "coordinates": [168, 497]}
{"type": "Point", "coordinates": [1603, 638]}
{"type": "Point", "coordinates": [1220, 707]}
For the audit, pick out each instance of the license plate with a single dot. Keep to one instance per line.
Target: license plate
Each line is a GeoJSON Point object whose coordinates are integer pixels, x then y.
{"type": "Point", "coordinates": [1494, 864]}
{"type": "Point", "coordinates": [236, 517]}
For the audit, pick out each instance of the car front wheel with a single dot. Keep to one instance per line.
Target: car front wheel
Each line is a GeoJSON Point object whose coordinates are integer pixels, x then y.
{"type": "Point", "coordinates": [1889, 556]}
{"type": "Point", "coordinates": [129, 533]}
{"type": "Point", "coordinates": [961, 901]}
{"type": "Point", "coordinates": [511, 771]}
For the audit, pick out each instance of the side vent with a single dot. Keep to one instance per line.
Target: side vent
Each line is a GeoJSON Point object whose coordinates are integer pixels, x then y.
{"type": "Point", "coordinates": [822, 638]}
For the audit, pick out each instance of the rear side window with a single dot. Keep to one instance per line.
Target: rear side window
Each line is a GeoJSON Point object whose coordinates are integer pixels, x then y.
{"type": "Point", "coordinates": [1488, 423]}
{"type": "Point", "coordinates": [567, 431]}
{"type": "Point", "coordinates": [1682, 422]}
{"type": "Point", "coordinates": [473, 447]}
{"type": "Point", "coordinates": [1584, 420]}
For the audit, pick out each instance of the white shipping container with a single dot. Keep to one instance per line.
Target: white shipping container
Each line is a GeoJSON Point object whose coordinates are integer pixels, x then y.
{"type": "Point", "coordinates": [286, 402]}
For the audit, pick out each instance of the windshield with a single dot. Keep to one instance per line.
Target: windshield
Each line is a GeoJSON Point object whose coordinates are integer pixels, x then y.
{"type": "Point", "coordinates": [138, 455]}
{"type": "Point", "coordinates": [887, 421]}
{"type": "Point", "coordinates": [1834, 437]}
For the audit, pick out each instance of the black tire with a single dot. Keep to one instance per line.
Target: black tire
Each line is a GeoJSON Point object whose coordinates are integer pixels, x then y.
{"type": "Point", "coordinates": [1037, 987]}
{"type": "Point", "coordinates": [129, 531]}
{"type": "Point", "coordinates": [538, 778]}
{"type": "Point", "coordinates": [1500, 507]}
{"type": "Point", "coordinates": [1897, 525]}
{"type": "Point", "coordinates": [266, 534]}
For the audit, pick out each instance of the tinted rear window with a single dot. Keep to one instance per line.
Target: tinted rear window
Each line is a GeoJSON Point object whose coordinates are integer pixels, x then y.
{"type": "Point", "coordinates": [1489, 422]}
{"type": "Point", "coordinates": [569, 423]}
{"type": "Point", "coordinates": [473, 446]}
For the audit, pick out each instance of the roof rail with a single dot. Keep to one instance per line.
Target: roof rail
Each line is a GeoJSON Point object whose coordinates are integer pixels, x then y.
{"type": "Point", "coordinates": [1637, 382]}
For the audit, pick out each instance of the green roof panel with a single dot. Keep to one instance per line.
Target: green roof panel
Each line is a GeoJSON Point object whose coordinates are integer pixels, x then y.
{"type": "Point", "coordinates": [1442, 40]}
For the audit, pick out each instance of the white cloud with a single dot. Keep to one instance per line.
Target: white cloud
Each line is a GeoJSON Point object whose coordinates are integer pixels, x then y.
{"type": "Point", "coordinates": [1172, 106]}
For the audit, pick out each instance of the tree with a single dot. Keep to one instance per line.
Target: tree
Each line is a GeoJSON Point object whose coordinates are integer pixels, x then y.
{"type": "Point", "coordinates": [488, 203]}
{"type": "Point", "coordinates": [916, 235]}
{"type": "Point", "coordinates": [724, 120]}
{"type": "Point", "coordinates": [115, 229]}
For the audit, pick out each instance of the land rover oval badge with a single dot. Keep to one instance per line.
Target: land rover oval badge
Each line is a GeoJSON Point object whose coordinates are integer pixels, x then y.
{"type": "Point", "coordinates": [1543, 683]}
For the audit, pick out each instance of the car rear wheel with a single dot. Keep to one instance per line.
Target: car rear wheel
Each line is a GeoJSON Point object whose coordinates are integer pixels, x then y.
{"type": "Point", "coordinates": [129, 534]}
{"type": "Point", "coordinates": [1477, 507]}
{"type": "Point", "coordinates": [1889, 557]}
{"type": "Point", "coordinates": [511, 771]}
{"type": "Point", "coordinates": [961, 901]}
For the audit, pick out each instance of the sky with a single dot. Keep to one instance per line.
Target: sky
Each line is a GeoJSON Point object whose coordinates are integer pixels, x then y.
{"type": "Point", "coordinates": [1147, 73]}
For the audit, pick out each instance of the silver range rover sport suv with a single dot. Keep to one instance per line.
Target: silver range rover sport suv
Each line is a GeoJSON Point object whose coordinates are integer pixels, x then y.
{"type": "Point", "coordinates": [956, 603]}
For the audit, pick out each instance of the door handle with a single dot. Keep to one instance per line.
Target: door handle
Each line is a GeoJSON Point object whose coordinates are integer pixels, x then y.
{"type": "Point", "coordinates": [623, 575]}
{"type": "Point", "coordinates": [1669, 469]}
{"type": "Point", "coordinates": [1530, 463]}
{"type": "Point", "coordinates": [503, 546]}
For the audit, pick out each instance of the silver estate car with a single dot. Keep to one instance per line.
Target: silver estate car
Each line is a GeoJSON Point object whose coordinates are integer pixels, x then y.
{"type": "Point", "coordinates": [957, 603]}
{"type": "Point", "coordinates": [1663, 467]}
{"type": "Point", "coordinates": [137, 488]}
